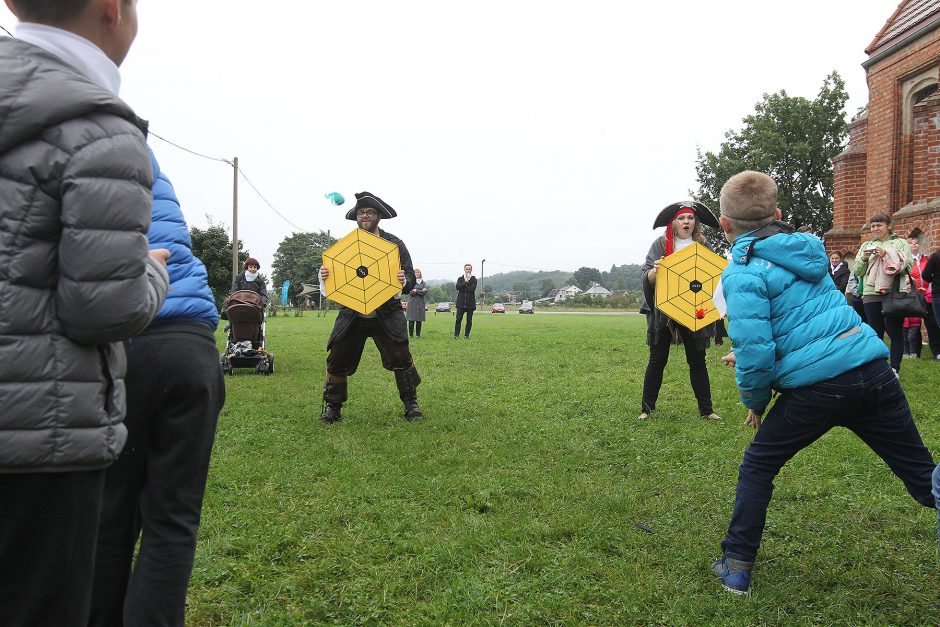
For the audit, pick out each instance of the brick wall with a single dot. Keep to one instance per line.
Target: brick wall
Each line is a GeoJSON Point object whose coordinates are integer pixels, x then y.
{"type": "Point", "coordinates": [883, 169]}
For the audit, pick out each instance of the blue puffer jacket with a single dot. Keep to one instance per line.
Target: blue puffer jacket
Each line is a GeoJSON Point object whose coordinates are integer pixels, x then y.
{"type": "Point", "coordinates": [789, 324]}
{"type": "Point", "coordinates": [189, 298]}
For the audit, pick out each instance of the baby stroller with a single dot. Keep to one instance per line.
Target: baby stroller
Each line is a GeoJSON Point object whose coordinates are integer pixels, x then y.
{"type": "Point", "coordinates": [244, 347]}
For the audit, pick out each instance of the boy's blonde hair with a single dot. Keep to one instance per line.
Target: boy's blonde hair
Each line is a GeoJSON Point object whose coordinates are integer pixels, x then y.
{"type": "Point", "coordinates": [748, 200]}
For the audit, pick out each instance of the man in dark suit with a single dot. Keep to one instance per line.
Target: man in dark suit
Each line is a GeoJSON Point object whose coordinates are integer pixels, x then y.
{"type": "Point", "coordinates": [466, 300]}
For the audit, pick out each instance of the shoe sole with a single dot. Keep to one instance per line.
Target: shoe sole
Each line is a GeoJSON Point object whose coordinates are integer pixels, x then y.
{"type": "Point", "coordinates": [740, 593]}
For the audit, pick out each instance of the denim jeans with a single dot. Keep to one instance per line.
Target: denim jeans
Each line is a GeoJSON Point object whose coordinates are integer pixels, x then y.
{"type": "Point", "coordinates": [869, 401]}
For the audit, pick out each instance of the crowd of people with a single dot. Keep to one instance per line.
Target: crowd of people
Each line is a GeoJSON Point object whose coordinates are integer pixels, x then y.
{"type": "Point", "coordinates": [105, 442]}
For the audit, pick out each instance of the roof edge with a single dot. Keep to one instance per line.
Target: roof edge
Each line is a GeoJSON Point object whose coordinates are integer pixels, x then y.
{"type": "Point", "coordinates": [924, 29]}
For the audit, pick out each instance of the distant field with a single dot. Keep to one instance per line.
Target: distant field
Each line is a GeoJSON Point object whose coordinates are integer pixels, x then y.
{"type": "Point", "coordinates": [528, 494]}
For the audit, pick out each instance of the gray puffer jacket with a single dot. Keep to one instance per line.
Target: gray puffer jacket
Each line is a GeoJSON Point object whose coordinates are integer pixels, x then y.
{"type": "Point", "coordinates": [75, 277]}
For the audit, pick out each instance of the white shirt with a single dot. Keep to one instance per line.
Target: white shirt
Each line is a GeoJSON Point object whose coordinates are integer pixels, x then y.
{"type": "Point", "coordinates": [75, 50]}
{"type": "Point", "coordinates": [679, 243]}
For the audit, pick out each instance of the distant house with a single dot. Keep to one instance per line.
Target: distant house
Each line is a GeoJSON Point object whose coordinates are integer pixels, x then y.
{"type": "Point", "coordinates": [599, 290]}
{"type": "Point", "coordinates": [567, 292]}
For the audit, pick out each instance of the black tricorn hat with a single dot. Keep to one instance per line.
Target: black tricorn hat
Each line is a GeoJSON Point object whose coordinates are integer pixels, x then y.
{"type": "Point", "coordinates": [702, 214]}
{"type": "Point", "coordinates": [365, 199]}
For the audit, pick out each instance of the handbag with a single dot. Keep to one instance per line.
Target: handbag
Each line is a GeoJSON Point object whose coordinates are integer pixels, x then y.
{"type": "Point", "coordinates": [902, 304]}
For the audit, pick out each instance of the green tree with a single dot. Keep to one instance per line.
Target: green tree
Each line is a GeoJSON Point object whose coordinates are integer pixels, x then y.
{"type": "Point", "coordinates": [298, 258]}
{"type": "Point", "coordinates": [792, 139]}
{"type": "Point", "coordinates": [214, 248]}
{"type": "Point", "coordinates": [436, 295]}
{"type": "Point", "coordinates": [583, 276]}
{"type": "Point", "coordinates": [546, 286]}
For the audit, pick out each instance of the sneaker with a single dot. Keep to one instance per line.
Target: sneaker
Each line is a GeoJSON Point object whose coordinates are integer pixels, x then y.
{"type": "Point", "coordinates": [735, 575]}
{"type": "Point", "coordinates": [936, 496]}
{"type": "Point", "coordinates": [643, 416]}
{"type": "Point", "coordinates": [712, 416]}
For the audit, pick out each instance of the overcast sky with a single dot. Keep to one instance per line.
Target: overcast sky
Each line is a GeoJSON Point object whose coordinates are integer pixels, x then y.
{"type": "Point", "coordinates": [538, 135]}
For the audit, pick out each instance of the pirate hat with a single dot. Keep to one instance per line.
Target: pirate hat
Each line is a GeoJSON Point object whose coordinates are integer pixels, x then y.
{"type": "Point", "coordinates": [367, 200]}
{"type": "Point", "coordinates": [702, 214]}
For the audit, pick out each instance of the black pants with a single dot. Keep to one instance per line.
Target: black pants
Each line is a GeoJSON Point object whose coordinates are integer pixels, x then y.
{"type": "Point", "coordinates": [698, 373]}
{"type": "Point", "coordinates": [460, 313]}
{"type": "Point", "coordinates": [414, 327]}
{"type": "Point", "coordinates": [175, 391]}
{"type": "Point", "coordinates": [346, 352]}
{"type": "Point", "coordinates": [913, 343]}
{"type": "Point", "coordinates": [894, 325]}
{"type": "Point", "coordinates": [933, 332]}
{"type": "Point", "coordinates": [48, 523]}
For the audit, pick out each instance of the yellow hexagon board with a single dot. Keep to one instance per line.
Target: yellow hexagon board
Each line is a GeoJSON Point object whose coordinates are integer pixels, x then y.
{"type": "Point", "coordinates": [363, 271]}
{"type": "Point", "coordinates": [685, 284]}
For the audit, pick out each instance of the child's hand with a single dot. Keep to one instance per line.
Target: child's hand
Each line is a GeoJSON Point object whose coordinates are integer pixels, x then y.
{"type": "Point", "coordinates": [324, 273]}
{"type": "Point", "coordinates": [729, 359]}
{"type": "Point", "coordinates": [753, 419]}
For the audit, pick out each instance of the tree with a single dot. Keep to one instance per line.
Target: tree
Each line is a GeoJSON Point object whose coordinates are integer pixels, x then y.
{"type": "Point", "coordinates": [583, 276]}
{"type": "Point", "coordinates": [793, 140]}
{"type": "Point", "coordinates": [214, 248]}
{"type": "Point", "coordinates": [546, 287]}
{"type": "Point", "coordinates": [436, 295]}
{"type": "Point", "coordinates": [298, 258]}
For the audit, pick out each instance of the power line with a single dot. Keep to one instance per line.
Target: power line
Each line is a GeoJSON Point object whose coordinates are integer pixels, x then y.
{"type": "Point", "coordinates": [192, 152]}
{"type": "Point", "coordinates": [244, 176]}
{"type": "Point", "coordinates": [240, 171]}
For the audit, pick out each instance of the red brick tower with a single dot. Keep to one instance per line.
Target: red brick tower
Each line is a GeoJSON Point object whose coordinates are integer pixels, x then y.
{"type": "Point", "coordinates": [892, 161]}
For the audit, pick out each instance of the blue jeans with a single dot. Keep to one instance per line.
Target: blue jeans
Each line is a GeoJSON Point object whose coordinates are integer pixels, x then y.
{"type": "Point", "coordinates": [869, 401]}
{"type": "Point", "coordinates": [894, 325]}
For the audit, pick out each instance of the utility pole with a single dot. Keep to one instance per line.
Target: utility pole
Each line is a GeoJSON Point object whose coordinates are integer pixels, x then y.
{"type": "Point", "coordinates": [235, 219]}
{"type": "Point", "coordinates": [482, 293]}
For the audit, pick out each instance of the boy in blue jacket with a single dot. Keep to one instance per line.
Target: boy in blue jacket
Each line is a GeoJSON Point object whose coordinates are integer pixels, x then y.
{"type": "Point", "coordinates": [793, 332]}
{"type": "Point", "coordinates": [175, 392]}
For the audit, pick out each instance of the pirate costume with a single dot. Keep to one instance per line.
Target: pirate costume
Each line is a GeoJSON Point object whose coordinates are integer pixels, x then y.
{"type": "Point", "coordinates": [662, 331]}
{"type": "Point", "coordinates": [386, 326]}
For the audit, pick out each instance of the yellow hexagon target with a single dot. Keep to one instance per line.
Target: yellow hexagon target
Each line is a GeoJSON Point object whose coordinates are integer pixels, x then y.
{"type": "Point", "coordinates": [685, 284]}
{"type": "Point", "coordinates": [363, 271]}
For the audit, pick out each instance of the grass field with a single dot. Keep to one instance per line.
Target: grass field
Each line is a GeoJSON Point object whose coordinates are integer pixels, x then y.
{"type": "Point", "coordinates": [530, 494]}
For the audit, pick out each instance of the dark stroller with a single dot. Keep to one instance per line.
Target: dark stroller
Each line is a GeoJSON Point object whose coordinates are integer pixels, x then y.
{"type": "Point", "coordinates": [244, 347]}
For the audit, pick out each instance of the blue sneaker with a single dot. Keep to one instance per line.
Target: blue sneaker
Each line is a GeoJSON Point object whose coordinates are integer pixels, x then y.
{"type": "Point", "coordinates": [735, 575]}
{"type": "Point", "coordinates": [936, 497]}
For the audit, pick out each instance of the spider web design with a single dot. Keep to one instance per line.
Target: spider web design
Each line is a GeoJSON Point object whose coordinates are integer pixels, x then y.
{"type": "Point", "coordinates": [686, 283]}
{"type": "Point", "coordinates": [363, 271]}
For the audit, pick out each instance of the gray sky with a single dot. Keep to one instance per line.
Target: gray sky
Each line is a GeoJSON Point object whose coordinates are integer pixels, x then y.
{"type": "Point", "coordinates": [539, 135]}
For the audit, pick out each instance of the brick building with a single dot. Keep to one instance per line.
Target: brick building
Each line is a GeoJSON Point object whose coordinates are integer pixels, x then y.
{"type": "Point", "coordinates": [892, 161]}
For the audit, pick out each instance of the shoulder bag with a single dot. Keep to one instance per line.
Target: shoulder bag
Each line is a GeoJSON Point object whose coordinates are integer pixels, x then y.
{"type": "Point", "coordinates": [902, 304]}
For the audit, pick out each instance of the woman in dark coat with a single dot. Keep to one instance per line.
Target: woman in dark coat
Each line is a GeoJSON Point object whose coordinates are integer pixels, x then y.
{"type": "Point", "coordinates": [416, 306]}
{"type": "Point", "coordinates": [249, 280]}
{"type": "Point", "coordinates": [683, 222]}
{"type": "Point", "coordinates": [838, 270]}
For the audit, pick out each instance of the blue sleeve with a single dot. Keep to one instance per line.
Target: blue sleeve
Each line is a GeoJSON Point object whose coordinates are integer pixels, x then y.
{"type": "Point", "coordinates": [754, 347]}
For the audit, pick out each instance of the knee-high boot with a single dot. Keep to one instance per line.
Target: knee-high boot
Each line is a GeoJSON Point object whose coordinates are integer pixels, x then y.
{"type": "Point", "coordinates": [334, 395]}
{"type": "Point", "coordinates": [407, 381]}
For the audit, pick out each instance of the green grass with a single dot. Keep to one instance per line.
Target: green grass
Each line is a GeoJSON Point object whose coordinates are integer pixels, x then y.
{"type": "Point", "coordinates": [519, 499]}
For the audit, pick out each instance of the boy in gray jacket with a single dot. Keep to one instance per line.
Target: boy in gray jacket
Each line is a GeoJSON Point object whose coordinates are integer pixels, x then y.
{"type": "Point", "coordinates": [75, 281]}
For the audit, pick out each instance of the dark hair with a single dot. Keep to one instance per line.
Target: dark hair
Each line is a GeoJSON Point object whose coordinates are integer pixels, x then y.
{"type": "Point", "coordinates": [49, 11]}
{"type": "Point", "coordinates": [251, 261]}
{"type": "Point", "coordinates": [880, 217]}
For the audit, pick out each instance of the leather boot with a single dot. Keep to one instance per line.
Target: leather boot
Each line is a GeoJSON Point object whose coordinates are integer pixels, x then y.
{"type": "Point", "coordinates": [334, 395]}
{"type": "Point", "coordinates": [407, 381]}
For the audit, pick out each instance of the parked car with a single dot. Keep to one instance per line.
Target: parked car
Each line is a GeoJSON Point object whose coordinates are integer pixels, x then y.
{"type": "Point", "coordinates": [498, 308]}
{"type": "Point", "coordinates": [442, 307]}
{"type": "Point", "coordinates": [527, 307]}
